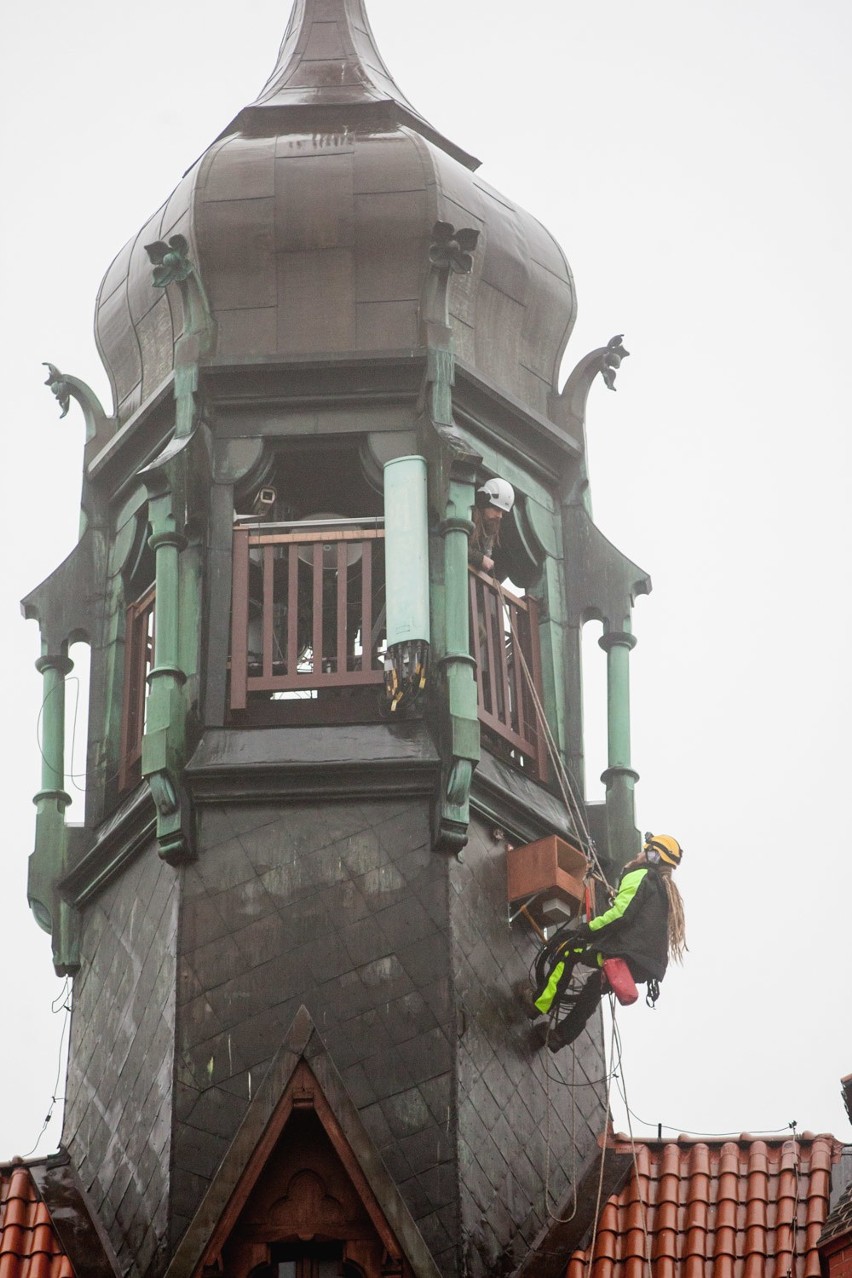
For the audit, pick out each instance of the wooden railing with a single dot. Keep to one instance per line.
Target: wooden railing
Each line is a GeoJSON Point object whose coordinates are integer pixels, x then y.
{"type": "Point", "coordinates": [307, 608]}
{"type": "Point", "coordinates": [504, 628]}
{"type": "Point", "coordinates": [138, 660]}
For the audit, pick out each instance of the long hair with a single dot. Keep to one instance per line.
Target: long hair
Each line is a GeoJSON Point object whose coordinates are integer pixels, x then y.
{"type": "Point", "coordinates": [677, 918]}
{"type": "Point", "coordinates": [478, 537]}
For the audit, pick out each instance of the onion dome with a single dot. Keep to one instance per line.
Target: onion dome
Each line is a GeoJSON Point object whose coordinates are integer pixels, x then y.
{"type": "Point", "coordinates": [309, 219]}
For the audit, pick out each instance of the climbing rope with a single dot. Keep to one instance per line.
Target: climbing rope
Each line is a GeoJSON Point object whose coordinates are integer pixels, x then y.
{"type": "Point", "coordinates": [569, 798]}
{"type": "Point", "coordinates": [646, 1233]}
{"type": "Point", "coordinates": [560, 1220]}
{"type": "Point", "coordinates": [593, 1243]}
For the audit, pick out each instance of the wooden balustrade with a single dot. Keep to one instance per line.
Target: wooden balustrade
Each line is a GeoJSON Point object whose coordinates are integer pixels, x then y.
{"type": "Point", "coordinates": [308, 614]}
{"type": "Point", "coordinates": [504, 627]}
{"type": "Point", "coordinates": [138, 660]}
{"type": "Point", "coordinates": [307, 611]}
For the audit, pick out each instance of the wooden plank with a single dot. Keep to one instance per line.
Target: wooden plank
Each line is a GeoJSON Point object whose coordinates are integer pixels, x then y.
{"type": "Point", "coordinates": [475, 637]}
{"type": "Point", "coordinates": [489, 601]}
{"type": "Point", "coordinates": [308, 538]}
{"type": "Point", "coordinates": [308, 682]}
{"type": "Point", "coordinates": [534, 662]}
{"type": "Point", "coordinates": [292, 609]}
{"type": "Point", "coordinates": [341, 664]}
{"type": "Point", "coordinates": [239, 620]}
{"type": "Point", "coordinates": [317, 607]}
{"type": "Point", "coordinates": [268, 606]}
{"type": "Point", "coordinates": [366, 607]}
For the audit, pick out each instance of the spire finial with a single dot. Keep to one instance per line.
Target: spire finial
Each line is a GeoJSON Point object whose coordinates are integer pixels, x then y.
{"type": "Point", "coordinates": [329, 73]}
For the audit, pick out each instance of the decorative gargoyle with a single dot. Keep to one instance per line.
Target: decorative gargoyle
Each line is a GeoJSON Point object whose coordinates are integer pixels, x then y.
{"type": "Point", "coordinates": [171, 261]}
{"type": "Point", "coordinates": [59, 386]}
{"type": "Point", "coordinates": [66, 388]}
{"type": "Point", "coordinates": [611, 358]}
{"type": "Point", "coordinates": [173, 265]}
{"type": "Point", "coordinates": [571, 403]}
{"type": "Point", "coordinates": [452, 250]}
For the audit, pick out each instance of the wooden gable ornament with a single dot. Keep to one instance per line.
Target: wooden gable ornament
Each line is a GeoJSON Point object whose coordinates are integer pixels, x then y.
{"type": "Point", "coordinates": [302, 1190]}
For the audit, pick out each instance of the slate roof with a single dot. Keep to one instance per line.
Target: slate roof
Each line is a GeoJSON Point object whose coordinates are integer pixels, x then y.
{"type": "Point", "coordinates": [29, 1245]}
{"type": "Point", "coordinates": [839, 1223]}
{"type": "Point", "coordinates": [750, 1207]}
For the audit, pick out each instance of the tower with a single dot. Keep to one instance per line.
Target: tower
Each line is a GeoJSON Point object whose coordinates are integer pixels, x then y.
{"type": "Point", "coordinates": [313, 730]}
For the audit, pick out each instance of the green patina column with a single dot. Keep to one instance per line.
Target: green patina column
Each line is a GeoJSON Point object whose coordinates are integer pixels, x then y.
{"type": "Point", "coordinates": [619, 777]}
{"type": "Point", "coordinates": [452, 474]}
{"type": "Point", "coordinates": [164, 742]}
{"type": "Point", "coordinates": [48, 862]}
{"type": "Point", "coordinates": [168, 480]}
{"type": "Point", "coordinates": [461, 743]}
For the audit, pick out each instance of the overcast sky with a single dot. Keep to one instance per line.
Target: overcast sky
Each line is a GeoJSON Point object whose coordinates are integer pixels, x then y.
{"type": "Point", "coordinates": [693, 161]}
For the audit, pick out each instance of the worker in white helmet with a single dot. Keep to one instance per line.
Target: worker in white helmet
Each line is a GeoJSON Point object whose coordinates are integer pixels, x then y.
{"type": "Point", "coordinates": [494, 499]}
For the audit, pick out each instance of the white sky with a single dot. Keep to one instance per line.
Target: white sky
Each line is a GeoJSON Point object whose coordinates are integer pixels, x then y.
{"type": "Point", "coordinates": [693, 161]}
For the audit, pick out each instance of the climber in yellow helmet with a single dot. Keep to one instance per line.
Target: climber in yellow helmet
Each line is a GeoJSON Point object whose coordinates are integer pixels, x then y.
{"type": "Point", "coordinates": [644, 927]}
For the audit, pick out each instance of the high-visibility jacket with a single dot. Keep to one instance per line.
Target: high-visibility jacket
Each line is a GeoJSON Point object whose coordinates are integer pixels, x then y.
{"type": "Point", "coordinates": [636, 925]}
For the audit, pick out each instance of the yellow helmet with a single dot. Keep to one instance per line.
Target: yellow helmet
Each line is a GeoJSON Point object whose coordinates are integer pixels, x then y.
{"type": "Point", "coordinates": [663, 847]}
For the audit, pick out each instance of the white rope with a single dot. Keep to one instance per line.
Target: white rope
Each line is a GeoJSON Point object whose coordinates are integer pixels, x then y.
{"type": "Point", "coordinates": [560, 1220]}
{"type": "Point", "coordinates": [568, 797]}
{"type": "Point", "coordinates": [590, 1255]}
{"type": "Point", "coordinates": [623, 1089]}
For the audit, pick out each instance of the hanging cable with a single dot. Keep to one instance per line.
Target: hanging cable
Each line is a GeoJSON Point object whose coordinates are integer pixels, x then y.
{"type": "Point", "coordinates": [622, 1087]}
{"type": "Point", "coordinates": [572, 804]}
{"type": "Point", "coordinates": [591, 1250]}
{"type": "Point", "coordinates": [61, 1003]}
{"type": "Point", "coordinates": [559, 1220]}
{"type": "Point", "coordinates": [794, 1219]}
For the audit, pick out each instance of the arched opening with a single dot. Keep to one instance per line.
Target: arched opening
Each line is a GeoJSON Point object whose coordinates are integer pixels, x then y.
{"type": "Point", "coordinates": [77, 727]}
{"type": "Point", "coordinates": [308, 605]}
{"type": "Point", "coordinates": [594, 710]}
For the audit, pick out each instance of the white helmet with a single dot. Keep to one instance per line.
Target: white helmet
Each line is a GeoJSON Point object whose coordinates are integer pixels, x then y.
{"type": "Point", "coordinates": [498, 493]}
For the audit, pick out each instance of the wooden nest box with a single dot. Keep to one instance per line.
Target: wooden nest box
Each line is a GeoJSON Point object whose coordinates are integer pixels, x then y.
{"type": "Point", "coordinates": [547, 877]}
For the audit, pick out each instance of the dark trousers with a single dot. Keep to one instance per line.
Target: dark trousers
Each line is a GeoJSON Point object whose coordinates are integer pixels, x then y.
{"type": "Point", "coordinates": [572, 1025]}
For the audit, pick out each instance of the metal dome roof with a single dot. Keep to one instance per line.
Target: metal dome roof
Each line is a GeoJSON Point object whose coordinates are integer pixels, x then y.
{"type": "Point", "coordinates": [309, 219]}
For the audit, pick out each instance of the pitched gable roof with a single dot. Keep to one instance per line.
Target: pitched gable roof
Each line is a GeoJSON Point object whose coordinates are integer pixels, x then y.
{"type": "Point", "coordinates": [301, 1078]}
{"type": "Point", "coordinates": [48, 1228]}
{"type": "Point", "coordinates": [748, 1206]}
{"type": "Point", "coordinates": [838, 1225]}
{"type": "Point", "coordinates": [29, 1245]}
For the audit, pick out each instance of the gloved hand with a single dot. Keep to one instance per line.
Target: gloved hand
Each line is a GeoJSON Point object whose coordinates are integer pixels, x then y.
{"type": "Point", "coordinates": [581, 935]}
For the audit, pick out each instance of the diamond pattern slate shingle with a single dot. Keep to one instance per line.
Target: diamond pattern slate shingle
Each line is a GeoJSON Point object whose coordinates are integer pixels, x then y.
{"type": "Point", "coordinates": [29, 1247]}
{"type": "Point", "coordinates": [839, 1223]}
{"type": "Point", "coordinates": [745, 1208]}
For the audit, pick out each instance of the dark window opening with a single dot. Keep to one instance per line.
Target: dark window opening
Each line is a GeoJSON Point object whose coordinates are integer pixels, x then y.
{"type": "Point", "coordinates": [307, 1260]}
{"type": "Point", "coordinates": [138, 662]}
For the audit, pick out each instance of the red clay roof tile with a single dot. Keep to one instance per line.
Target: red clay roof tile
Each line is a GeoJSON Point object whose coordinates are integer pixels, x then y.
{"type": "Point", "coordinates": [29, 1246]}
{"type": "Point", "coordinates": [745, 1208]}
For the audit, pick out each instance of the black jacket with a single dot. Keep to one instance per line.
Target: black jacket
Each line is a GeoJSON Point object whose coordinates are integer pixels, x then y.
{"type": "Point", "coordinates": [636, 926]}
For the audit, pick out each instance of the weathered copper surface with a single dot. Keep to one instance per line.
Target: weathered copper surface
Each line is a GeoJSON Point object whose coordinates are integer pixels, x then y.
{"type": "Point", "coordinates": [309, 218]}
